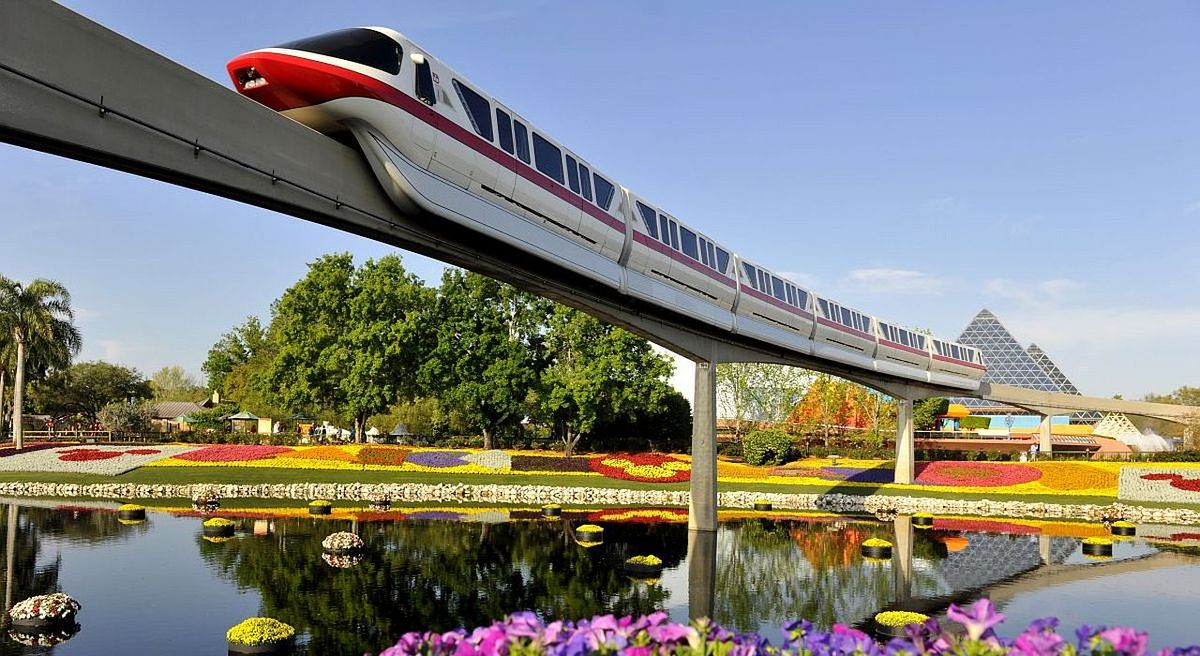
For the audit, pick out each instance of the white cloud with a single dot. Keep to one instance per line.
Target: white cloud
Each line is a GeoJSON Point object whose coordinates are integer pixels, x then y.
{"type": "Point", "coordinates": [1194, 208]}
{"type": "Point", "coordinates": [1053, 291]}
{"type": "Point", "coordinates": [84, 315]}
{"type": "Point", "coordinates": [112, 350]}
{"type": "Point", "coordinates": [897, 281]}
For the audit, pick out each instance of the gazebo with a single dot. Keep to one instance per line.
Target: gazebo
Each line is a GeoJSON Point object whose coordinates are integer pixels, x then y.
{"type": "Point", "coordinates": [400, 433]}
{"type": "Point", "coordinates": [249, 425]}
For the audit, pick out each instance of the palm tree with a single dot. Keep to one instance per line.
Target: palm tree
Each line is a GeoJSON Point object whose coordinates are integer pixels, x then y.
{"type": "Point", "coordinates": [40, 320]}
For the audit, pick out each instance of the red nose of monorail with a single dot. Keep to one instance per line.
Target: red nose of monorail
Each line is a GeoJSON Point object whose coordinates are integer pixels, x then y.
{"type": "Point", "coordinates": [281, 81]}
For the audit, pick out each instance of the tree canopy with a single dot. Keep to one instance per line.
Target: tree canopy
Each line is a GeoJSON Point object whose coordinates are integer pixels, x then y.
{"type": "Point", "coordinates": [349, 340]}
{"type": "Point", "coordinates": [86, 387]}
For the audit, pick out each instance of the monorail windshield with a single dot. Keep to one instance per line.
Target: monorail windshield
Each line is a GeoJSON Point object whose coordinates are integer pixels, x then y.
{"type": "Point", "coordinates": [359, 45]}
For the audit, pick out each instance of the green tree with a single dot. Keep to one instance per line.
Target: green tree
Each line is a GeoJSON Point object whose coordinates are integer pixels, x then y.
{"type": "Point", "coordinates": [243, 343]}
{"type": "Point", "coordinates": [126, 417]}
{"type": "Point", "coordinates": [927, 411]}
{"type": "Point", "coordinates": [486, 345]}
{"type": "Point", "coordinates": [40, 319]}
{"type": "Point", "coordinates": [597, 373]}
{"type": "Point", "coordinates": [175, 384]}
{"type": "Point", "coordinates": [759, 391]}
{"type": "Point", "coordinates": [349, 340]}
{"type": "Point", "coordinates": [86, 387]}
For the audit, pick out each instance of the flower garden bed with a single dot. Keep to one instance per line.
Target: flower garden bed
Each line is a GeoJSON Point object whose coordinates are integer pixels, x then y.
{"type": "Point", "coordinates": [1169, 484]}
{"type": "Point", "coordinates": [109, 460]}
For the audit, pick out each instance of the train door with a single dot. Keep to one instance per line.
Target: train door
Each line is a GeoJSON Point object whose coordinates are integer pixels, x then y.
{"type": "Point", "coordinates": [506, 176]}
{"type": "Point", "coordinates": [425, 123]}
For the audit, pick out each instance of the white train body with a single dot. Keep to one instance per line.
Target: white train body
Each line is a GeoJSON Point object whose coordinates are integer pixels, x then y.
{"type": "Point", "coordinates": [439, 144]}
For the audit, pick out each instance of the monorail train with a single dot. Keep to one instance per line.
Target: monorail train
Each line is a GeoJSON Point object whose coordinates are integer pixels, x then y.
{"type": "Point", "coordinates": [439, 145]}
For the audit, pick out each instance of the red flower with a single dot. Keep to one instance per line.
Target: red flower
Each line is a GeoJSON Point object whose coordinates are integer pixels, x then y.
{"type": "Point", "coordinates": [83, 455]}
{"type": "Point", "coordinates": [231, 452]}
{"type": "Point", "coordinates": [1177, 481]}
{"type": "Point", "coordinates": [976, 474]}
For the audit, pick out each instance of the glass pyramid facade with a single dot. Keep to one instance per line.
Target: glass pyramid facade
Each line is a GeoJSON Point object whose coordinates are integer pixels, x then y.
{"type": "Point", "coordinates": [1064, 384]}
{"type": "Point", "coordinates": [1009, 363]}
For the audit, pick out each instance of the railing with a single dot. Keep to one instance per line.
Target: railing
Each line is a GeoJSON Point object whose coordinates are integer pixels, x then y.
{"type": "Point", "coordinates": [965, 435]}
{"type": "Point", "coordinates": [66, 435]}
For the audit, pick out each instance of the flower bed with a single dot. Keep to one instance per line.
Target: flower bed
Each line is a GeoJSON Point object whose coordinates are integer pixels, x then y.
{"type": "Point", "coordinates": [976, 474]}
{"type": "Point", "coordinates": [555, 464]}
{"type": "Point", "coordinates": [1169, 484]}
{"type": "Point", "coordinates": [232, 452]}
{"type": "Point", "coordinates": [109, 460]}
{"type": "Point", "coordinates": [644, 467]}
{"type": "Point", "coordinates": [655, 635]}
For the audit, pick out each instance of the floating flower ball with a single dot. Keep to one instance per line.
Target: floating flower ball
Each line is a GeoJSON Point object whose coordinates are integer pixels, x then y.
{"type": "Point", "coordinates": [1123, 528]}
{"type": "Point", "coordinates": [259, 632]}
{"type": "Point", "coordinates": [218, 527]}
{"type": "Point", "coordinates": [131, 512]}
{"type": "Point", "coordinates": [341, 542]}
{"type": "Point", "coordinates": [56, 607]}
{"type": "Point", "coordinates": [320, 507]}
{"type": "Point", "coordinates": [762, 504]}
{"type": "Point", "coordinates": [644, 565]}
{"type": "Point", "coordinates": [551, 510]}
{"type": "Point", "coordinates": [922, 520]}
{"type": "Point", "coordinates": [892, 622]}
{"type": "Point", "coordinates": [1100, 547]}
{"type": "Point", "coordinates": [876, 548]}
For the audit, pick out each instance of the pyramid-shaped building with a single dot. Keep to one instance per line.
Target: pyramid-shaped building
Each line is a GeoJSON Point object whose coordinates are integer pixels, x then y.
{"type": "Point", "coordinates": [1009, 363]}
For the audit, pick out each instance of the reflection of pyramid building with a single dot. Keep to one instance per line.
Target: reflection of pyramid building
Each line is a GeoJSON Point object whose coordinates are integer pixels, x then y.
{"type": "Point", "coordinates": [1008, 363]}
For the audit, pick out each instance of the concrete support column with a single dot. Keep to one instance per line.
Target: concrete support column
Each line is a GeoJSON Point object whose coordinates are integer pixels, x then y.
{"type": "Point", "coordinates": [702, 573]}
{"type": "Point", "coordinates": [905, 442]}
{"type": "Point", "coordinates": [1044, 549]}
{"type": "Point", "coordinates": [1045, 447]}
{"type": "Point", "coordinates": [902, 553]}
{"type": "Point", "coordinates": [702, 509]}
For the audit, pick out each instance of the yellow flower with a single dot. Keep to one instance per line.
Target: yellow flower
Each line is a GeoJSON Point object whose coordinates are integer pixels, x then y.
{"type": "Point", "coordinates": [259, 631]}
{"type": "Point", "coordinates": [1123, 524]}
{"type": "Point", "coordinates": [898, 618]}
{"type": "Point", "coordinates": [589, 528]}
{"type": "Point", "coordinates": [217, 522]}
{"type": "Point", "coordinates": [320, 503]}
{"type": "Point", "coordinates": [876, 542]}
{"type": "Point", "coordinates": [130, 507]}
{"type": "Point", "coordinates": [649, 561]}
{"type": "Point", "coordinates": [1098, 541]}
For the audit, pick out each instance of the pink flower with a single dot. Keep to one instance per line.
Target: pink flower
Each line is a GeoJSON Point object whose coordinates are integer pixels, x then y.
{"type": "Point", "coordinates": [1126, 640]}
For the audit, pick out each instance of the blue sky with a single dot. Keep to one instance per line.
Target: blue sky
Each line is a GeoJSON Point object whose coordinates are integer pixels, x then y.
{"type": "Point", "coordinates": [917, 160]}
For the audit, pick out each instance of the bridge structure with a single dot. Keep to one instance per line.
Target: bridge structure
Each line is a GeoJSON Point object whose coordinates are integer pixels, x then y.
{"type": "Point", "coordinates": [71, 87]}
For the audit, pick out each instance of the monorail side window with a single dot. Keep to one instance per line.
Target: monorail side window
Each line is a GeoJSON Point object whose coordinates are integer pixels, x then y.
{"type": "Point", "coordinates": [687, 239]}
{"type": "Point", "coordinates": [751, 274]}
{"type": "Point", "coordinates": [604, 191]}
{"type": "Point", "coordinates": [585, 181]}
{"type": "Point", "coordinates": [522, 136]}
{"type": "Point", "coordinates": [704, 246]}
{"type": "Point", "coordinates": [648, 219]}
{"type": "Point", "coordinates": [572, 174]}
{"type": "Point", "coordinates": [664, 230]}
{"type": "Point", "coordinates": [801, 298]}
{"type": "Point", "coordinates": [504, 127]}
{"type": "Point", "coordinates": [722, 260]}
{"type": "Point", "coordinates": [674, 235]}
{"type": "Point", "coordinates": [791, 295]}
{"type": "Point", "coordinates": [712, 255]}
{"type": "Point", "coordinates": [361, 46]}
{"type": "Point", "coordinates": [548, 158]}
{"type": "Point", "coordinates": [777, 288]}
{"type": "Point", "coordinates": [479, 110]}
{"type": "Point", "coordinates": [424, 85]}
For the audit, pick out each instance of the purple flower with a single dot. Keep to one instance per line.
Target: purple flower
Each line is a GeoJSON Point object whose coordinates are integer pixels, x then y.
{"type": "Point", "coordinates": [436, 459]}
{"type": "Point", "coordinates": [1126, 640]}
{"type": "Point", "coordinates": [978, 619]}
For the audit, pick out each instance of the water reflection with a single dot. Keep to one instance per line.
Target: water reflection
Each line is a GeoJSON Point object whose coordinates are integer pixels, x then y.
{"type": "Point", "coordinates": [753, 574]}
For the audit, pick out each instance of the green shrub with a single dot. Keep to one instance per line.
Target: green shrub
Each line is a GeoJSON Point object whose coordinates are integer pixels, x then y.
{"type": "Point", "coordinates": [766, 447]}
{"type": "Point", "coordinates": [974, 423]}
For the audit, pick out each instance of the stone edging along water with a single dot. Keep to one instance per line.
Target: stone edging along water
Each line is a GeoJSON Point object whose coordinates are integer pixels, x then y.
{"type": "Point", "coordinates": [539, 494]}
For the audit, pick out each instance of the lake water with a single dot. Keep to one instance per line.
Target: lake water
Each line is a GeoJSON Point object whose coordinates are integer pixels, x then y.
{"type": "Point", "coordinates": [161, 587]}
